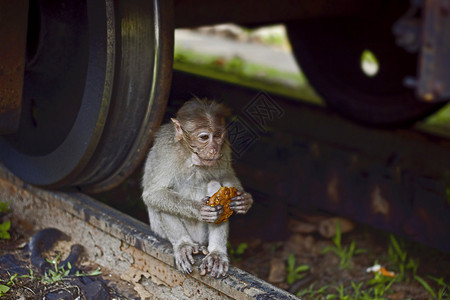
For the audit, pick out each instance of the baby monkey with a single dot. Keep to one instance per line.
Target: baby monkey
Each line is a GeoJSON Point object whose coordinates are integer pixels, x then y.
{"type": "Point", "coordinates": [189, 162]}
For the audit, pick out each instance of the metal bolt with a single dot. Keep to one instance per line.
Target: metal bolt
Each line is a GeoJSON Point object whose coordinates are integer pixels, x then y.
{"type": "Point", "coordinates": [428, 97]}
{"type": "Point", "coordinates": [410, 82]}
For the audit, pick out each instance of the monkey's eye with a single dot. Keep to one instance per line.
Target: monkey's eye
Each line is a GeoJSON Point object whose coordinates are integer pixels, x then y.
{"type": "Point", "coordinates": [203, 136]}
{"type": "Point", "coordinates": [217, 134]}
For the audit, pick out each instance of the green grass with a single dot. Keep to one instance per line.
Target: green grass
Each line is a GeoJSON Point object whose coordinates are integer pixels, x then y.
{"type": "Point", "coordinates": [4, 207]}
{"type": "Point", "coordinates": [379, 287]}
{"type": "Point", "coordinates": [236, 253]}
{"type": "Point", "coordinates": [55, 274]}
{"type": "Point", "coordinates": [294, 85]}
{"type": "Point", "coordinates": [442, 290]}
{"type": "Point", "coordinates": [5, 226]}
{"type": "Point", "coordinates": [58, 272]}
{"type": "Point", "coordinates": [345, 253]}
{"type": "Point", "coordinates": [236, 70]}
{"type": "Point", "coordinates": [440, 118]}
{"type": "Point", "coordinates": [293, 272]}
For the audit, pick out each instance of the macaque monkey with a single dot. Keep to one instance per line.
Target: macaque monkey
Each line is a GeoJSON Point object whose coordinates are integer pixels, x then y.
{"type": "Point", "coordinates": [189, 162]}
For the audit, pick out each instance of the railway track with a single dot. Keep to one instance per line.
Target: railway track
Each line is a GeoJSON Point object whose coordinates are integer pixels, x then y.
{"type": "Point", "coordinates": [123, 246]}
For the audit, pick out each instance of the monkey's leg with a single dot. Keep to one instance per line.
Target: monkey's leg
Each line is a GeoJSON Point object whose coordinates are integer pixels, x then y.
{"type": "Point", "coordinates": [198, 231]}
{"type": "Point", "coordinates": [216, 262]}
{"type": "Point", "coordinates": [156, 226]}
{"type": "Point", "coordinates": [177, 232]}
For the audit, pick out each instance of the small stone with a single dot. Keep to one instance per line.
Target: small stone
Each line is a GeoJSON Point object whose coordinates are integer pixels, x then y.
{"type": "Point", "coordinates": [327, 227]}
{"type": "Point", "coordinates": [308, 243]}
{"type": "Point", "coordinates": [302, 227]}
{"type": "Point", "coordinates": [277, 270]}
{"type": "Point", "coordinates": [59, 295]}
{"type": "Point", "coordinates": [294, 245]}
{"type": "Point", "coordinates": [96, 290]}
{"type": "Point", "coordinates": [398, 295]}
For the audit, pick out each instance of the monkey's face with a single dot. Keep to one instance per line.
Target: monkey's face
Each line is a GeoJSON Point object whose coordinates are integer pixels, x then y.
{"type": "Point", "coordinates": [207, 143]}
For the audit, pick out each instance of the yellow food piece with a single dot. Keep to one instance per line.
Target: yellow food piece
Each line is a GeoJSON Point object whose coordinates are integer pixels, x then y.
{"type": "Point", "coordinates": [223, 197]}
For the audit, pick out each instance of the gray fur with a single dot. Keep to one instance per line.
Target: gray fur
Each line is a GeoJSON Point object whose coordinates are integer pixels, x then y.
{"type": "Point", "coordinates": [173, 190]}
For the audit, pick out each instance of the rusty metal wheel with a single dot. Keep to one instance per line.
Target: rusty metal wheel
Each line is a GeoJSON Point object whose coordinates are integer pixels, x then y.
{"type": "Point", "coordinates": [330, 50]}
{"type": "Point", "coordinates": [96, 85]}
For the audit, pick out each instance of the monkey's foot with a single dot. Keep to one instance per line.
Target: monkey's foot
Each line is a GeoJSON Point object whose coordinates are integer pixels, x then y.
{"type": "Point", "coordinates": [201, 249]}
{"type": "Point", "coordinates": [215, 263]}
{"type": "Point", "coordinates": [183, 255]}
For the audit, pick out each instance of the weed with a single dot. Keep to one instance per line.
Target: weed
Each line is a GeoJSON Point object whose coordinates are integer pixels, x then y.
{"type": "Point", "coordinates": [236, 253]}
{"type": "Point", "coordinates": [426, 286]}
{"type": "Point", "coordinates": [341, 291]}
{"type": "Point", "coordinates": [96, 272]}
{"type": "Point", "coordinates": [441, 292]}
{"type": "Point", "coordinates": [357, 289]}
{"type": "Point", "coordinates": [3, 289]}
{"type": "Point", "coordinates": [380, 285]}
{"type": "Point", "coordinates": [4, 207]}
{"type": "Point", "coordinates": [398, 257]}
{"type": "Point", "coordinates": [57, 273]}
{"type": "Point", "coordinates": [4, 228]}
{"type": "Point", "coordinates": [377, 289]}
{"type": "Point", "coordinates": [346, 253]}
{"type": "Point", "coordinates": [274, 247]}
{"type": "Point", "coordinates": [294, 273]}
{"type": "Point", "coordinates": [311, 292]}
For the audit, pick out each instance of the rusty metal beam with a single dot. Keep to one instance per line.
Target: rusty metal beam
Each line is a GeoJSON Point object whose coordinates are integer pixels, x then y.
{"type": "Point", "coordinates": [434, 65]}
{"type": "Point", "coordinates": [307, 157]}
{"type": "Point", "coordinates": [192, 13]}
{"type": "Point", "coordinates": [13, 37]}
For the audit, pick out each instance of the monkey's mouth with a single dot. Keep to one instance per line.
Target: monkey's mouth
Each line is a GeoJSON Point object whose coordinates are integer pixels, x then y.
{"type": "Point", "coordinates": [208, 161]}
{"type": "Point", "coordinates": [201, 161]}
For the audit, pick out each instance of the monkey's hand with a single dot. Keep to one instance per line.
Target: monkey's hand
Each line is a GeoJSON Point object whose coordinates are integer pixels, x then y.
{"type": "Point", "coordinates": [183, 255]}
{"type": "Point", "coordinates": [208, 213]}
{"type": "Point", "coordinates": [216, 263]}
{"type": "Point", "coordinates": [241, 203]}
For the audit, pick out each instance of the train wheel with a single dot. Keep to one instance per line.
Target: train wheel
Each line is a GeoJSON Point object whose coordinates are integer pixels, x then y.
{"type": "Point", "coordinates": [331, 53]}
{"type": "Point", "coordinates": [96, 85]}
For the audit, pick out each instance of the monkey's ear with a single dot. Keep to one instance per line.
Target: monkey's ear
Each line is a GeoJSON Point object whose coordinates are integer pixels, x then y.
{"type": "Point", "coordinates": [178, 130]}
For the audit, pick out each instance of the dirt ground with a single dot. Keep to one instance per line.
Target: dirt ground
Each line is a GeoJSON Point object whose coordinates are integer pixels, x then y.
{"type": "Point", "coordinates": [325, 276]}
{"type": "Point", "coordinates": [25, 281]}
{"type": "Point", "coordinates": [269, 261]}
{"type": "Point", "coordinates": [305, 235]}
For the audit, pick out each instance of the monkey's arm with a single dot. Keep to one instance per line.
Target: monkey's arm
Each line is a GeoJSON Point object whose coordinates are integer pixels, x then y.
{"type": "Point", "coordinates": [170, 202]}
